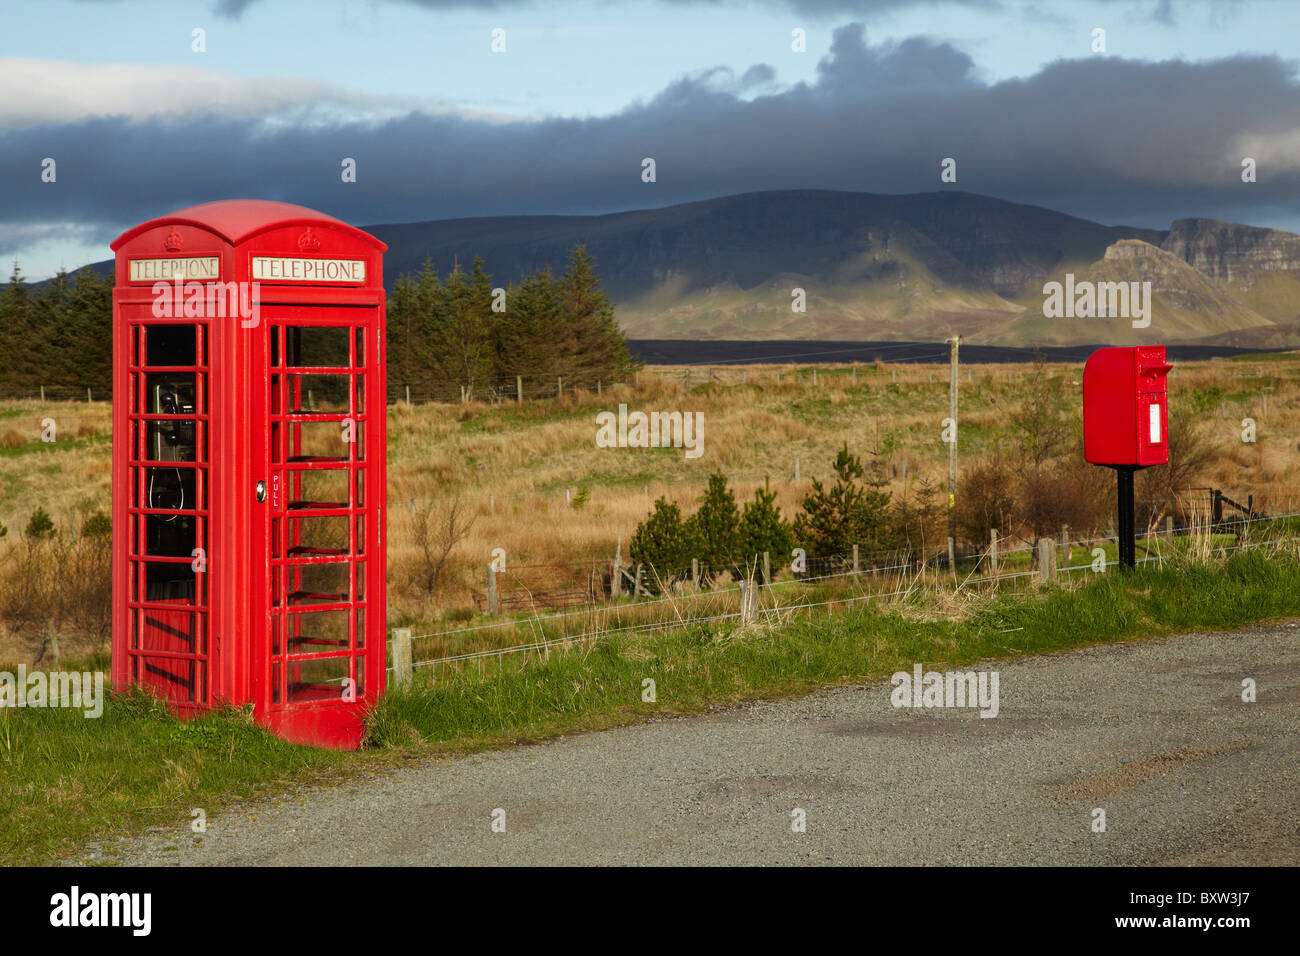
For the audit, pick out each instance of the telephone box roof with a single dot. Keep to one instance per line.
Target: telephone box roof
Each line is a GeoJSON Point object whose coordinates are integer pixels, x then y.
{"type": "Point", "coordinates": [236, 220]}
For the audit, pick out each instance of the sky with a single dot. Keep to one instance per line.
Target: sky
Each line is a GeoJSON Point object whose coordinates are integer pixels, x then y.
{"type": "Point", "coordinates": [141, 115]}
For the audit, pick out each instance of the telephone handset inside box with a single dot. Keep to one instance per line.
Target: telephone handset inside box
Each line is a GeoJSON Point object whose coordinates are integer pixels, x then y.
{"type": "Point", "coordinates": [171, 488]}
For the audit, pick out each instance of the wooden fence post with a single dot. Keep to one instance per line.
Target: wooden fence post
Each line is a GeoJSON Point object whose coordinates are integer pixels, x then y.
{"type": "Point", "coordinates": [519, 389]}
{"type": "Point", "coordinates": [993, 553]}
{"type": "Point", "coordinates": [856, 566]}
{"type": "Point", "coordinates": [494, 602]}
{"type": "Point", "coordinates": [636, 587]}
{"type": "Point", "coordinates": [1046, 561]}
{"type": "Point", "coordinates": [695, 573]}
{"type": "Point", "coordinates": [402, 666]}
{"type": "Point", "coordinates": [616, 581]}
{"type": "Point", "coordinates": [767, 569]}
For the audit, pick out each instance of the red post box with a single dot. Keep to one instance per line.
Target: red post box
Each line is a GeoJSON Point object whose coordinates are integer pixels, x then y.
{"type": "Point", "coordinates": [1126, 422]}
{"type": "Point", "coordinates": [1125, 407]}
{"type": "Point", "coordinates": [249, 466]}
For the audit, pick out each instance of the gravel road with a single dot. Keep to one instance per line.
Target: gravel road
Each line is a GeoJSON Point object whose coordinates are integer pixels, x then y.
{"type": "Point", "coordinates": [1155, 733]}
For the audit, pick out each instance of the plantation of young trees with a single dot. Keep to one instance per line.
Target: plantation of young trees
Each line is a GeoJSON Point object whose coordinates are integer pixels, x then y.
{"type": "Point", "coordinates": [57, 335]}
{"type": "Point", "coordinates": [458, 333]}
{"type": "Point", "coordinates": [447, 337]}
{"type": "Point", "coordinates": [724, 539]}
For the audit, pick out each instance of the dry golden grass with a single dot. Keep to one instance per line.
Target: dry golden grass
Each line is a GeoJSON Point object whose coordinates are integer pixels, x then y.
{"type": "Point", "coordinates": [510, 465]}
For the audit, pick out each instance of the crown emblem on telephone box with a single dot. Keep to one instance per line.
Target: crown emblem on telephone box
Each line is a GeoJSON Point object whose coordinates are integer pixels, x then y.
{"type": "Point", "coordinates": [308, 242]}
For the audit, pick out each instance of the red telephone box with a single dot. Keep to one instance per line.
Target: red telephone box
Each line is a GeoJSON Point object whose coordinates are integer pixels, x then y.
{"type": "Point", "coordinates": [1126, 423]}
{"type": "Point", "coordinates": [249, 467]}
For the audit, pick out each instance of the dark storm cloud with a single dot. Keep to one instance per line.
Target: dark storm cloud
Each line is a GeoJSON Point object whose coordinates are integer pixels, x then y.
{"type": "Point", "coordinates": [1109, 139]}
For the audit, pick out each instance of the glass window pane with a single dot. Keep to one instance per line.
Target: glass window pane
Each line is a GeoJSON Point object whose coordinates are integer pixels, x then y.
{"type": "Point", "coordinates": [310, 346]}
{"type": "Point", "coordinates": [170, 345]}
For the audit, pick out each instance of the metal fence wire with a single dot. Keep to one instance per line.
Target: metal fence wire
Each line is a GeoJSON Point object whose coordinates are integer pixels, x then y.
{"type": "Point", "coordinates": [743, 595]}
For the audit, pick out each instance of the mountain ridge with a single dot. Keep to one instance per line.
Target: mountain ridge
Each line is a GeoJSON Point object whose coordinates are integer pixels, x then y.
{"type": "Point", "coordinates": [879, 266]}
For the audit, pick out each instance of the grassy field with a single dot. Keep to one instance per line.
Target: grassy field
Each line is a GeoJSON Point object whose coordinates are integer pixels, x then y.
{"type": "Point", "coordinates": [508, 467]}
{"type": "Point", "coordinates": [65, 779]}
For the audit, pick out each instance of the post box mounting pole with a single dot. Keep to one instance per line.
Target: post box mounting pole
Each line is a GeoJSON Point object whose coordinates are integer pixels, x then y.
{"type": "Point", "coordinates": [1125, 524]}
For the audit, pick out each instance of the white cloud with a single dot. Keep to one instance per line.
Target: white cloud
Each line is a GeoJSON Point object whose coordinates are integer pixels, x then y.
{"type": "Point", "coordinates": [58, 91]}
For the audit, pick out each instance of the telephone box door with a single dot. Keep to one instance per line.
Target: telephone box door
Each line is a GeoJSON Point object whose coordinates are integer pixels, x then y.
{"type": "Point", "coordinates": [323, 499]}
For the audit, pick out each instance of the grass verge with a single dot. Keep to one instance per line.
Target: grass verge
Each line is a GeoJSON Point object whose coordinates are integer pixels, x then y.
{"type": "Point", "coordinates": [702, 667]}
{"type": "Point", "coordinates": [65, 779]}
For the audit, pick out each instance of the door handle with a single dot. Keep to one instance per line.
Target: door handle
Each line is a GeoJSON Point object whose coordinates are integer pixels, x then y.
{"type": "Point", "coordinates": [261, 491]}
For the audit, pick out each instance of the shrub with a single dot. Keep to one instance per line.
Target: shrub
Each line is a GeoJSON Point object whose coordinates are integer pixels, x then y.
{"type": "Point", "coordinates": [714, 525]}
{"type": "Point", "coordinates": [985, 502]}
{"type": "Point", "coordinates": [763, 529]}
{"type": "Point", "coordinates": [98, 525]}
{"type": "Point", "coordinates": [849, 512]}
{"type": "Point", "coordinates": [922, 522]}
{"type": "Point", "coordinates": [40, 527]}
{"type": "Point", "coordinates": [664, 542]}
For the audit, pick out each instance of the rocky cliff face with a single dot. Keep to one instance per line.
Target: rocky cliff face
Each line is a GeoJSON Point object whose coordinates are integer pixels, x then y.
{"type": "Point", "coordinates": [1233, 252]}
{"type": "Point", "coordinates": [1177, 286]}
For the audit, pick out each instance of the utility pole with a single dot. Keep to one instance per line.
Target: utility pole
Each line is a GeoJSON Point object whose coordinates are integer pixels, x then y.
{"type": "Point", "coordinates": [952, 457]}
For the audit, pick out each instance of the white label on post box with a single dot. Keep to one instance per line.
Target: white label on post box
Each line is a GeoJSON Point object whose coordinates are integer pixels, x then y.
{"type": "Point", "coordinates": [1154, 409]}
{"type": "Point", "coordinates": [281, 269]}
{"type": "Point", "coordinates": [188, 267]}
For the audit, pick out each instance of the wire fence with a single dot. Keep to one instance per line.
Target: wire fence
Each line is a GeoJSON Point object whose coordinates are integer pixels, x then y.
{"type": "Point", "coordinates": [1157, 545]}
{"type": "Point", "coordinates": [559, 585]}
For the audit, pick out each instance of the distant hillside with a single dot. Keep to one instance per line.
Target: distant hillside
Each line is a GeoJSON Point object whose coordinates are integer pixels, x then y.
{"type": "Point", "coordinates": [877, 267]}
